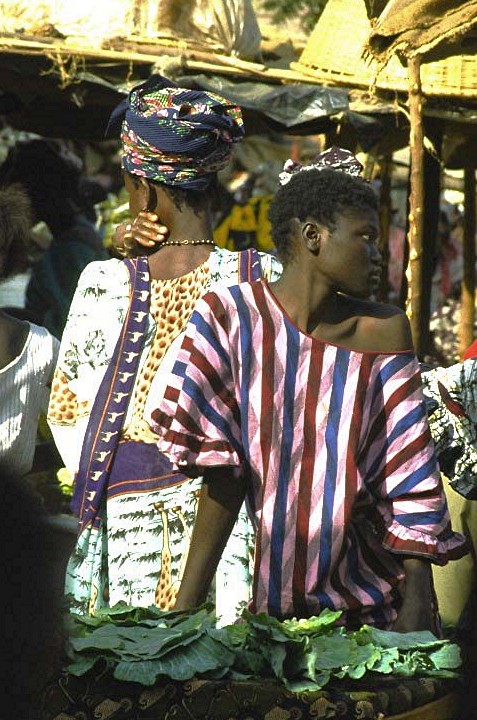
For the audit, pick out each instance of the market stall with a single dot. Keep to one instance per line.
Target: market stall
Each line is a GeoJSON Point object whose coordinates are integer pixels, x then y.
{"type": "Point", "coordinates": [434, 94]}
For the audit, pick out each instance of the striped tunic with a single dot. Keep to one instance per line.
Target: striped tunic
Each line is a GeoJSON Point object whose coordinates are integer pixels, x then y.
{"type": "Point", "coordinates": [344, 478]}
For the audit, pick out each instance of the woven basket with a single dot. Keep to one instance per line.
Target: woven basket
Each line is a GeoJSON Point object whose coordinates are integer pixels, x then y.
{"type": "Point", "coordinates": [334, 54]}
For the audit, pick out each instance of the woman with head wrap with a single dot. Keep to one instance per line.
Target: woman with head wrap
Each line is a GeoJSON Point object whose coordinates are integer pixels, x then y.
{"type": "Point", "coordinates": [135, 512]}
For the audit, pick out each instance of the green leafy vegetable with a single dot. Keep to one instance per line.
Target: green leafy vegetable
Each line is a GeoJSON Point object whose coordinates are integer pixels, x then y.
{"type": "Point", "coordinates": [145, 644]}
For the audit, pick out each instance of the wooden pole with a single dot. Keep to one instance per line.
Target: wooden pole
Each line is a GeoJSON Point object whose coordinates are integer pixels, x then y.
{"type": "Point", "coordinates": [385, 212]}
{"type": "Point", "coordinates": [416, 204]}
{"type": "Point", "coordinates": [466, 330]}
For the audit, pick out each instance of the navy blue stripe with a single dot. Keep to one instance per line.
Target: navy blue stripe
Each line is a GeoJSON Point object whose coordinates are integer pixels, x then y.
{"type": "Point", "coordinates": [394, 366]}
{"type": "Point", "coordinates": [414, 478]}
{"type": "Point", "coordinates": [374, 592]}
{"type": "Point", "coordinates": [417, 414]}
{"type": "Point", "coordinates": [410, 520]}
{"type": "Point", "coordinates": [204, 329]}
{"type": "Point", "coordinates": [246, 357]}
{"type": "Point", "coordinates": [402, 426]}
{"type": "Point", "coordinates": [340, 374]}
{"type": "Point", "coordinates": [194, 391]}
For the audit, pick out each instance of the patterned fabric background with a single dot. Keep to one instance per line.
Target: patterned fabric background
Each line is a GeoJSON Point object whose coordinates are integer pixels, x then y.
{"type": "Point", "coordinates": [99, 697]}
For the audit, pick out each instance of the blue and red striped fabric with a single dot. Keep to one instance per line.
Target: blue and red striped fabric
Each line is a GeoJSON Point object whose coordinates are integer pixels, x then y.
{"type": "Point", "coordinates": [337, 444]}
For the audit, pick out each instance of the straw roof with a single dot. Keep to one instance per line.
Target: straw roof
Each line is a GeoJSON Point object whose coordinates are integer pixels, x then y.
{"type": "Point", "coordinates": [417, 27]}
{"type": "Point", "coordinates": [336, 52]}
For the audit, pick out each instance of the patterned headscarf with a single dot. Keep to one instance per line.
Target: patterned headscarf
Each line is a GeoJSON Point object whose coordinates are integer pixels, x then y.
{"type": "Point", "coordinates": [334, 158]}
{"type": "Point", "coordinates": [176, 136]}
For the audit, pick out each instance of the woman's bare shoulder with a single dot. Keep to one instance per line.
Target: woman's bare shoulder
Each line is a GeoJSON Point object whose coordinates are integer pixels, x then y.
{"type": "Point", "coordinates": [381, 327]}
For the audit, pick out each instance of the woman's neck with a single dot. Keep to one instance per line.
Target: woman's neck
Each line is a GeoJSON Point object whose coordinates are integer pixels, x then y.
{"type": "Point", "coordinates": [308, 301]}
{"type": "Point", "coordinates": [172, 261]}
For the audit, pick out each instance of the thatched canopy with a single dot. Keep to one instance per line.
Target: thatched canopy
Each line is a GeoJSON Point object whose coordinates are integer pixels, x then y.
{"type": "Point", "coordinates": [64, 67]}
{"type": "Point", "coordinates": [420, 27]}
{"type": "Point", "coordinates": [337, 52]}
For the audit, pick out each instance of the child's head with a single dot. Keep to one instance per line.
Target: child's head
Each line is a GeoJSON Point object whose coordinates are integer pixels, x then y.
{"type": "Point", "coordinates": [15, 224]}
{"type": "Point", "coordinates": [323, 195]}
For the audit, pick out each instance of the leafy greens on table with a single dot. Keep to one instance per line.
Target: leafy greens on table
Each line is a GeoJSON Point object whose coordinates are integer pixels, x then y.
{"type": "Point", "coordinates": [144, 645]}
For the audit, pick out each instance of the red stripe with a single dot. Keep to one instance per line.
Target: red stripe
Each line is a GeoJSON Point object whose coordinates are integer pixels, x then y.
{"type": "Point", "coordinates": [219, 313]}
{"type": "Point", "coordinates": [221, 391]}
{"type": "Point", "coordinates": [379, 426]}
{"type": "Point", "coordinates": [409, 451]}
{"type": "Point", "coordinates": [355, 429]}
{"type": "Point", "coordinates": [306, 480]}
{"type": "Point", "coordinates": [196, 445]}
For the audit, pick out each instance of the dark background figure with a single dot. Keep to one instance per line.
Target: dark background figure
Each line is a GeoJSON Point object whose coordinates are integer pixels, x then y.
{"type": "Point", "coordinates": [28, 352]}
{"type": "Point", "coordinates": [51, 174]}
{"type": "Point", "coordinates": [30, 601]}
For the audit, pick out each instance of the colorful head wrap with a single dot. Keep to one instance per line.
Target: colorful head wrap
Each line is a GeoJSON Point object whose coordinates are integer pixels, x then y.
{"type": "Point", "coordinates": [176, 136]}
{"type": "Point", "coordinates": [334, 158]}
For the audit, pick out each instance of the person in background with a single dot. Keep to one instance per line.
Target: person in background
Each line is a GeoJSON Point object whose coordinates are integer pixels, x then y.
{"type": "Point", "coordinates": [448, 263]}
{"type": "Point", "coordinates": [245, 222]}
{"type": "Point", "coordinates": [135, 511]}
{"type": "Point", "coordinates": [306, 397]}
{"type": "Point", "coordinates": [51, 175]}
{"type": "Point", "coordinates": [451, 398]}
{"type": "Point", "coordinates": [30, 603]}
{"type": "Point", "coordinates": [28, 353]}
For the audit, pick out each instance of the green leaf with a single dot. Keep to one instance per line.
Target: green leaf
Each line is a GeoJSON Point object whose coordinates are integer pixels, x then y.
{"type": "Point", "coordinates": [387, 660]}
{"type": "Point", "coordinates": [202, 655]}
{"type": "Point", "coordinates": [82, 664]}
{"type": "Point", "coordinates": [332, 652]}
{"type": "Point", "coordinates": [447, 657]}
{"type": "Point", "coordinates": [403, 641]}
{"type": "Point", "coordinates": [144, 672]}
{"type": "Point", "coordinates": [316, 624]}
{"type": "Point", "coordinates": [276, 656]}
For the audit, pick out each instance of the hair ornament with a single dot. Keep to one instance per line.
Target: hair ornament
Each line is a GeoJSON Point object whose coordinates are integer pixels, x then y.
{"type": "Point", "coordinates": [334, 158]}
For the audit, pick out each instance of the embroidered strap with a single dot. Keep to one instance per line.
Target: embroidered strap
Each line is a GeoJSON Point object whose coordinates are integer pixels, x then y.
{"type": "Point", "coordinates": [110, 406]}
{"type": "Point", "coordinates": [250, 268]}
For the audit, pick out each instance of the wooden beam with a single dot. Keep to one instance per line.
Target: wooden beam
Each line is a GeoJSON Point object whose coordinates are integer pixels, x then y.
{"type": "Point", "coordinates": [416, 205]}
{"type": "Point", "coordinates": [187, 57]}
{"type": "Point", "coordinates": [466, 330]}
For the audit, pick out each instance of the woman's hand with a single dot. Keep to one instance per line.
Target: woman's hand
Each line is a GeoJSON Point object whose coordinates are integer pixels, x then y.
{"type": "Point", "coordinates": [145, 231]}
{"type": "Point", "coordinates": [418, 610]}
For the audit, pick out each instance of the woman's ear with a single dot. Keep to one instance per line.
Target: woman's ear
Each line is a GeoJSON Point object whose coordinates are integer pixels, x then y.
{"type": "Point", "coordinates": [312, 237]}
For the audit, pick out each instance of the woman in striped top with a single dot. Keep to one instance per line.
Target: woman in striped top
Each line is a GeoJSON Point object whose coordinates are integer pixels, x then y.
{"type": "Point", "coordinates": [306, 396]}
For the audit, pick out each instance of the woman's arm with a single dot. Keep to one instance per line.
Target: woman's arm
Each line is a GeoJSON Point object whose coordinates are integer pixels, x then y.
{"type": "Point", "coordinates": [418, 610]}
{"type": "Point", "coordinates": [221, 498]}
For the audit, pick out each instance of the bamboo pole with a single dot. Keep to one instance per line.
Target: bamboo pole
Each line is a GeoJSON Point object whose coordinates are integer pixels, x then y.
{"type": "Point", "coordinates": [466, 330]}
{"type": "Point", "coordinates": [416, 204]}
{"type": "Point", "coordinates": [149, 54]}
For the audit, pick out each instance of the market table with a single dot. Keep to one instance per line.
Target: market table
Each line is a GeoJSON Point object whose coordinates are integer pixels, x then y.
{"type": "Point", "coordinates": [98, 696]}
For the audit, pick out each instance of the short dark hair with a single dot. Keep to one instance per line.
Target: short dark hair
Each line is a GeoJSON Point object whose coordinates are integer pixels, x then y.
{"type": "Point", "coordinates": [15, 224]}
{"type": "Point", "coordinates": [49, 176]}
{"type": "Point", "coordinates": [320, 194]}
